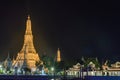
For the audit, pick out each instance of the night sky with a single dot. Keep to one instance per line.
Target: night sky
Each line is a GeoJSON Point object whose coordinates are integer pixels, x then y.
{"type": "Point", "coordinates": [79, 28]}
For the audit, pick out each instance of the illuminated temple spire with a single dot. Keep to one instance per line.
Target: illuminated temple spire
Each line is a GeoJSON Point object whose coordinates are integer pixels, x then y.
{"type": "Point", "coordinates": [31, 55]}
{"type": "Point", "coordinates": [58, 55]}
{"type": "Point", "coordinates": [28, 38]}
{"type": "Point", "coordinates": [28, 25]}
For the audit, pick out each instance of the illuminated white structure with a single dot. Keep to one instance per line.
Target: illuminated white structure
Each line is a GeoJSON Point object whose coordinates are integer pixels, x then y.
{"type": "Point", "coordinates": [31, 54]}
{"type": "Point", "coordinates": [75, 70]}
{"type": "Point", "coordinates": [8, 64]}
{"type": "Point", "coordinates": [113, 70]}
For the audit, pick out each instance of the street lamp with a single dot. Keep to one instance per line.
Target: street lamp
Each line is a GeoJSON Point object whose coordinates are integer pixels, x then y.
{"type": "Point", "coordinates": [52, 69]}
{"type": "Point", "coordinates": [0, 68]}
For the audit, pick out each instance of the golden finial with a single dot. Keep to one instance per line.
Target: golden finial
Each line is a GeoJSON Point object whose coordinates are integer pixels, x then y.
{"type": "Point", "coordinates": [28, 16]}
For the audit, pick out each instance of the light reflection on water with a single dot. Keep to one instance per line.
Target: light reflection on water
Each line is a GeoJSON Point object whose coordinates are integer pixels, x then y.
{"type": "Point", "coordinates": [55, 79]}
